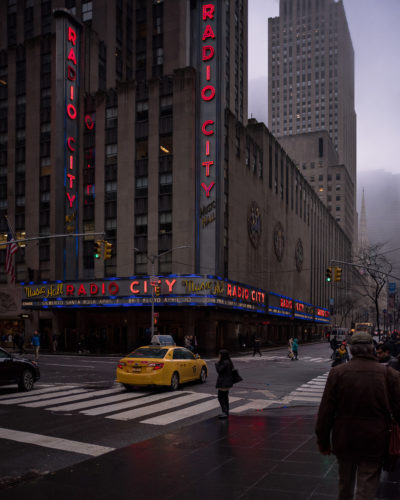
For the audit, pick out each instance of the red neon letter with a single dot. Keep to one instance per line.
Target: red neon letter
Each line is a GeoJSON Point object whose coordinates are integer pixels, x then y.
{"type": "Point", "coordinates": [170, 284]}
{"type": "Point", "coordinates": [71, 73]}
{"type": "Point", "coordinates": [205, 89]}
{"type": "Point", "coordinates": [205, 124]}
{"type": "Point", "coordinates": [71, 110]}
{"type": "Point", "coordinates": [207, 148]}
{"type": "Point", "coordinates": [82, 290]}
{"type": "Point", "coordinates": [207, 164]}
{"type": "Point", "coordinates": [207, 189]}
{"type": "Point", "coordinates": [134, 290]}
{"type": "Point", "coordinates": [210, 54]}
{"type": "Point", "coordinates": [70, 289]}
{"type": "Point", "coordinates": [113, 288]}
{"type": "Point", "coordinates": [94, 289]}
{"type": "Point", "coordinates": [69, 140]}
{"type": "Point", "coordinates": [71, 180]}
{"type": "Point", "coordinates": [72, 57]}
{"type": "Point", "coordinates": [208, 73]}
{"type": "Point", "coordinates": [71, 35]}
{"type": "Point", "coordinates": [208, 11]}
{"type": "Point", "coordinates": [71, 162]}
{"type": "Point", "coordinates": [71, 200]}
{"type": "Point", "coordinates": [89, 122]}
{"type": "Point", "coordinates": [208, 33]}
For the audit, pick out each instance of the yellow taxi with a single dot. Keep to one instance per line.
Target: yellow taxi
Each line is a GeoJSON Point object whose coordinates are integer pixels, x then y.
{"type": "Point", "coordinates": [165, 365]}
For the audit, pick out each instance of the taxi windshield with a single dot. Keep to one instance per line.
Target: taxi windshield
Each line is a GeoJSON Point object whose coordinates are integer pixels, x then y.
{"type": "Point", "coordinates": [148, 352]}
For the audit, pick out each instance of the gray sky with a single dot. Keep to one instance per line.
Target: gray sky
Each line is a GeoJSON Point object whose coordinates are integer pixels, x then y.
{"type": "Point", "coordinates": [375, 32]}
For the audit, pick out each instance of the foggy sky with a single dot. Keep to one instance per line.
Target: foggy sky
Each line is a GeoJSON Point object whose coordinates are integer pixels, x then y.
{"type": "Point", "coordinates": [375, 31]}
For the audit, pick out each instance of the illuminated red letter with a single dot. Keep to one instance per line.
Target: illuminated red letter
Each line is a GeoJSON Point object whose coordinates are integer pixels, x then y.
{"type": "Point", "coordinates": [113, 288]}
{"type": "Point", "coordinates": [71, 180]}
{"type": "Point", "coordinates": [208, 33]}
{"type": "Point", "coordinates": [210, 54]}
{"type": "Point", "coordinates": [71, 75]}
{"type": "Point", "coordinates": [93, 289]}
{"type": "Point", "coordinates": [207, 164]}
{"type": "Point", "coordinates": [72, 57]}
{"type": "Point", "coordinates": [208, 11]}
{"type": "Point", "coordinates": [89, 122]}
{"type": "Point", "coordinates": [170, 284]}
{"type": "Point", "coordinates": [205, 124]}
{"type": "Point", "coordinates": [71, 35]}
{"type": "Point", "coordinates": [71, 110]}
{"type": "Point", "coordinates": [69, 140]}
{"type": "Point", "coordinates": [207, 189]}
{"type": "Point", "coordinates": [70, 289]}
{"type": "Point", "coordinates": [71, 200]}
{"type": "Point", "coordinates": [134, 290]}
{"type": "Point", "coordinates": [206, 89]}
{"type": "Point", "coordinates": [82, 290]}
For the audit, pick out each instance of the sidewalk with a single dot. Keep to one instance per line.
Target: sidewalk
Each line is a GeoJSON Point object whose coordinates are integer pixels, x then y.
{"type": "Point", "coordinates": [271, 455]}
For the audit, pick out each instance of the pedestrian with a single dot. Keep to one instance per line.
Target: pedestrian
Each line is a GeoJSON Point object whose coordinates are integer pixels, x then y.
{"type": "Point", "coordinates": [256, 345]}
{"type": "Point", "coordinates": [54, 341]}
{"type": "Point", "coordinates": [383, 354]}
{"type": "Point", "coordinates": [187, 342]}
{"type": "Point", "coordinates": [35, 341]}
{"type": "Point", "coordinates": [341, 355]}
{"type": "Point", "coordinates": [355, 415]}
{"type": "Point", "coordinates": [16, 337]}
{"type": "Point", "coordinates": [295, 349]}
{"type": "Point", "coordinates": [224, 368]}
{"type": "Point", "coordinates": [334, 344]}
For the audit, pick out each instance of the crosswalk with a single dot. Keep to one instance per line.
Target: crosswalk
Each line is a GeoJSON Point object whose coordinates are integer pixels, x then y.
{"type": "Point", "coordinates": [308, 359]}
{"type": "Point", "coordinates": [159, 408]}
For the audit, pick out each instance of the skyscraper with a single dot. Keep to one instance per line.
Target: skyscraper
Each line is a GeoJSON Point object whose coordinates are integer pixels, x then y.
{"type": "Point", "coordinates": [311, 89]}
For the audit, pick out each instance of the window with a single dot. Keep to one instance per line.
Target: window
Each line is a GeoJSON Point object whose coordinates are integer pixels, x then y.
{"type": "Point", "coordinates": [141, 224]}
{"type": "Point", "coordinates": [165, 183]}
{"type": "Point", "coordinates": [87, 11]}
{"type": "Point", "coordinates": [165, 222]}
{"type": "Point", "coordinates": [338, 177]}
{"type": "Point", "coordinates": [142, 110]}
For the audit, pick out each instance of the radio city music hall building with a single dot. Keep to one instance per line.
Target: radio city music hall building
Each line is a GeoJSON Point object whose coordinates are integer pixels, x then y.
{"type": "Point", "coordinates": [134, 125]}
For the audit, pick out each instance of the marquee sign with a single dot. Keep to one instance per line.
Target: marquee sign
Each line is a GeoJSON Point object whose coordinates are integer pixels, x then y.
{"type": "Point", "coordinates": [174, 290]}
{"type": "Point", "coordinates": [208, 126]}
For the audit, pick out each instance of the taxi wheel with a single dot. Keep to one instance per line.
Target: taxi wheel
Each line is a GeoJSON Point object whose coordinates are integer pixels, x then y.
{"type": "Point", "coordinates": [129, 387]}
{"type": "Point", "coordinates": [203, 375]}
{"type": "Point", "coordinates": [174, 381]}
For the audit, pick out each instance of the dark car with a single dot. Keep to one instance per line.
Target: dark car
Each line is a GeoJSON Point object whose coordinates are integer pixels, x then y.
{"type": "Point", "coordinates": [22, 371]}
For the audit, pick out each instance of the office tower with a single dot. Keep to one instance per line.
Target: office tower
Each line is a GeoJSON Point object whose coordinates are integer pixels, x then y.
{"type": "Point", "coordinates": [311, 89]}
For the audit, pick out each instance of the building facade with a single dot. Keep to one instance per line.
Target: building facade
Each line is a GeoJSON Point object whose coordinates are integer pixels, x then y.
{"type": "Point", "coordinates": [311, 89]}
{"type": "Point", "coordinates": [126, 123]}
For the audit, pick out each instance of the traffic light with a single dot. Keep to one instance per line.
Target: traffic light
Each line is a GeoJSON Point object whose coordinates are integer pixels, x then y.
{"type": "Point", "coordinates": [97, 249]}
{"type": "Point", "coordinates": [107, 250]}
{"type": "Point", "coordinates": [157, 290]}
{"type": "Point", "coordinates": [328, 274]}
{"type": "Point", "coordinates": [338, 274]}
{"type": "Point", "coordinates": [155, 319]}
{"type": "Point", "coordinates": [69, 223]}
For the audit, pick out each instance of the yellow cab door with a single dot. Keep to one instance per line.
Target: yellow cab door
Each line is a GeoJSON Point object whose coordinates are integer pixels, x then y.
{"type": "Point", "coordinates": [180, 363]}
{"type": "Point", "coordinates": [191, 365]}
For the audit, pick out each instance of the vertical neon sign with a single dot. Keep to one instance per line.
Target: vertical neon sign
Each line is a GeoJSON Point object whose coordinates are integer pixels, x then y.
{"type": "Point", "coordinates": [207, 138]}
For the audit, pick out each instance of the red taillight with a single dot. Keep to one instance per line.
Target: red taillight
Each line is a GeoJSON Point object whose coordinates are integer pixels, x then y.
{"type": "Point", "coordinates": [156, 366]}
{"type": "Point", "coordinates": [121, 365]}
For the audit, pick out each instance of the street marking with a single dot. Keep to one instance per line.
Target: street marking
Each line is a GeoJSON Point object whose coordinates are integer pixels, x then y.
{"type": "Point", "coordinates": [174, 416]}
{"type": "Point", "coordinates": [258, 404]}
{"type": "Point", "coordinates": [36, 391]}
{"type": "Point", "coordinates": [127, 404]}
{"type": "Point", "coordinates": [166, 405]}
{"type": "Point", "coordinates": [73, 366]}
{"type": "Point", "coordinates": [47, 397]}
{"type": "Point", "coordinates": [93, 450]}
{"type": "Point", "coordinates": [302, 398]}
{"type": "Point", "coordinates": [98, 402]}
{"type": "Point", "coordinates": [67, 399]}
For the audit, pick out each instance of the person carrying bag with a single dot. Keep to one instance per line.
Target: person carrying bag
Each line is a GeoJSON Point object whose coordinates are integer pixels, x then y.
{"type": "Point", "coordinates": [227, 376]}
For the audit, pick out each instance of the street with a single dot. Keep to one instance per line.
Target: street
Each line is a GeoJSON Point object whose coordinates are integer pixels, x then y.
{"type": "Point", "coordinates": [77, 411]}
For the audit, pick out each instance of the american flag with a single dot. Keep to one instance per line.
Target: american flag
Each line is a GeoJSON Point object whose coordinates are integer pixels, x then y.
{"type": "Point", "coordinates": [12, 247]}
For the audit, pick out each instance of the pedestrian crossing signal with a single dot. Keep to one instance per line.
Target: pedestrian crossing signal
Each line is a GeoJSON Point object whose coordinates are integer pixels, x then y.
{"type": "Point", "coordinates": [338, 274]}
{"type": "Point", "coordinates": [328, 274]}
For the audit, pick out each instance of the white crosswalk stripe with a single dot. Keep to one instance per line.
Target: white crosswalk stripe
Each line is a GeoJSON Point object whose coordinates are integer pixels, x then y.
{"type": "Point", "coordinates": [311, 391]}
{"type": "Point", "coordinates": [54, 388]}
{"type": "Point", "coordinates": [268, 357]}
{"type": "Point", "coordinates": [41, 397]}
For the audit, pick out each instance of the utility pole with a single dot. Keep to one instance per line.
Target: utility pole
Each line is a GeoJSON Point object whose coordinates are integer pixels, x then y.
{"type": "Point", "coordinates": [152, 259]}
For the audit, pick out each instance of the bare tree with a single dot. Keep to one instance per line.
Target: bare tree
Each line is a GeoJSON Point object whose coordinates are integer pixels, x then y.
{"type": "Point", "coordinates": [371, 278]}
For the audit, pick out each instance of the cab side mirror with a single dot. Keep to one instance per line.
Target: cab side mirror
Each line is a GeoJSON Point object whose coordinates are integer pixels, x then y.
{"type": "Point", "coordinates": [197, 356]}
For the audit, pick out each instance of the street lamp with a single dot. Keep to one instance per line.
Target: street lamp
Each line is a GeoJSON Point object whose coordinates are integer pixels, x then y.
{"type": "Point", "coordinates": [152, 259]}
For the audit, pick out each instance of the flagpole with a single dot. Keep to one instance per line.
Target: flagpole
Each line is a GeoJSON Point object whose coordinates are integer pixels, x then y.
{"type": "Point", "coordinates": [11, 229]}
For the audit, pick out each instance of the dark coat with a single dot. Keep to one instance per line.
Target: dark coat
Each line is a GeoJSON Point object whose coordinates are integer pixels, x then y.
{"type": "Point", "coordinates": [355, 409]}
{"type": "Point", "coordinates": [224, 369]}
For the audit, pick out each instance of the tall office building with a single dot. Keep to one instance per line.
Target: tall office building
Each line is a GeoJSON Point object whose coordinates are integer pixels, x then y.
{"type": "Point", "coordinates": [126, 121]}
{"type": "Point", "coordinates": [311, 89]}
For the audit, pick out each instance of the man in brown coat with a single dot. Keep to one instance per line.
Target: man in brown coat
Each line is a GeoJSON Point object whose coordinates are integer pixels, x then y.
{"type": "Point", "coordinates": [354, 418]}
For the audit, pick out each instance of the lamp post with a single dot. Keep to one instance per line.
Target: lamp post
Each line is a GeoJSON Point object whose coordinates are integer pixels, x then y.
{"type": "Point", "coordinates": [152, 259]}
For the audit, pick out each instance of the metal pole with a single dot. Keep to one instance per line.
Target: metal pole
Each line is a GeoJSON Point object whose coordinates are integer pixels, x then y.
{"type": "Point", "coordinates": [152, 297]}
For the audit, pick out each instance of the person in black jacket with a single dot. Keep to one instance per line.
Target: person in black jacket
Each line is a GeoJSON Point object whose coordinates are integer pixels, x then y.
{"type": "Point", "coordinates": [224, 368]}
